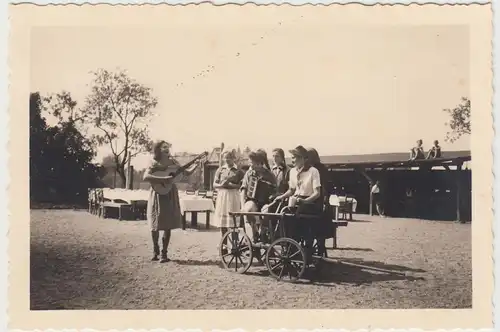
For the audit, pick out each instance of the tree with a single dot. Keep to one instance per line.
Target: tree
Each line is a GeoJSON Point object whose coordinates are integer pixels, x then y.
{"type": "Point", "coordinates": [62, 106]}
{"type": "Point", "coordinates": [61, 170]}
{"type": "Point", "coordinates": [120, 108]}
{"type": "Point", "coordinates": [64, 109]}
{"type": "Point", "coordinates": [460, 121]}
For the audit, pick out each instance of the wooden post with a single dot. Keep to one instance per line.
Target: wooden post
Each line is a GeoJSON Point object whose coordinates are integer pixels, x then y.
{"type": "Point", "coordinates": [207, 220]}
{"type": "Point", "coordinates": [459, 189]}
{"type": "Point", "coordinates": [371, 199]}
{"type": "Point", "coordinates": [130, 177]}
{"type": "Point", "coordinates": [194, 219]}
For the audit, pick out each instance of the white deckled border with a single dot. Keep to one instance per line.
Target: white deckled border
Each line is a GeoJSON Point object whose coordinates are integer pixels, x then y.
{"type": "Point", "coordinates": [258, 2]}
{"type": "Point", "coordinates": [4, 131]}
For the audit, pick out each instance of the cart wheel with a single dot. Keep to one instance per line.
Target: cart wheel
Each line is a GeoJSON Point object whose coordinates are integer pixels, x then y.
{"type": "Point", "coordinates": [286, 260]}
{"type": "Point", "coordinates": [236, 254]}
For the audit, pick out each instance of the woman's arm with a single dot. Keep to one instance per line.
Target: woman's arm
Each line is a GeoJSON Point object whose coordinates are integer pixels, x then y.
{"type": "Point", "coordinates": [313, 197]}
{"type": "Point", "coordinates": [243, 189]}
{"type": "Point", "coordinates": [148, 176]}
{"type": "Point", "coordinates": [287, 194]}
{"type": "Point", "coordinates": [230, 185]}
{"type": "Point", "coordinates": [217, 184]}
{"type": "Point", "coordinates": [429, 154]}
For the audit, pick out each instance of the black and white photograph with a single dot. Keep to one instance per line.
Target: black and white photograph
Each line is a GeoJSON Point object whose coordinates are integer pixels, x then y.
{"type": "Point", "coordinates": [286, 158]}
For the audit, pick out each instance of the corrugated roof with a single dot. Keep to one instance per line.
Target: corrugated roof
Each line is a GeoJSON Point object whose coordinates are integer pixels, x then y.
{"type": "Point", "coordinates": [383, 157]}
{"type": "Point", "coordinates": [397, 157]}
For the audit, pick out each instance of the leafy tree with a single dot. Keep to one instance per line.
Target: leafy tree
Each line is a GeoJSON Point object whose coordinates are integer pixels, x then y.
{"type": "Point", "coordinates": [61, 170]}
{"type": "Point", "coordinates": [460, 121]}
{"type": "Point", "coordinates": [62, 106]}
{"type": "Point", "coordinates": [120, 108]}
{"type": "Point", "coordinates": [38, 141]}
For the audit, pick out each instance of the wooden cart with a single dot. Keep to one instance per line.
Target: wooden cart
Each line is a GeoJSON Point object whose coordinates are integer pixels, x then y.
{"type": "Point", "coordinates": [288, 244]}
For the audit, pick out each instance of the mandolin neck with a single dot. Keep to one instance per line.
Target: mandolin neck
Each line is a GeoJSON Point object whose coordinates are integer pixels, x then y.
{"type": "Point", "coordinates": [186, 166]}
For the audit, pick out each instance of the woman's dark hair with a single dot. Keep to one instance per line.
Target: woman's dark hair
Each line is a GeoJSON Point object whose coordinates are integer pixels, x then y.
{"type": "Point", "coordinates": [281, 153]}
{"type": "Point", "coordinates": [315, 161]}
{"type": "Point", "coordinates": [254, 156]}
{"type": "Point", "coordinates": [263, 154]}
{"type": "Point", "coordinates": [157, 149]}
{"type": "Point", "coordinates": [313, 157]}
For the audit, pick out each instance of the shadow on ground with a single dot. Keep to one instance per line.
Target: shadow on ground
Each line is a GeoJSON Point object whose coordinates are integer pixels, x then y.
{"type": "Point", "coordinates": [334, 271]}
{"type": "Point", "coordinates": [349, 249]}
{"type": "Point", "coordinates": [58, 270]}
{"type": "Point", "coordinates": [358, 220]}
{"type": "Point", "coordinates": [194, 262]}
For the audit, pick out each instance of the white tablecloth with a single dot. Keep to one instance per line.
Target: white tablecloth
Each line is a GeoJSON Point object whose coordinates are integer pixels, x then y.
{"type": "Point", "coordinates": [335, 201]}
{"type": "Point", "coordinates": [196, 204]}
{"type": "Point", "coordinates": [187, 202]}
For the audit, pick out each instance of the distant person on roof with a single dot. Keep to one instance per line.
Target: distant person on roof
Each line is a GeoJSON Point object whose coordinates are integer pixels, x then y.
{"type": "Point", "coordinates": [435, 151]}
{"type": "Point", "coordinates": [417, 152]}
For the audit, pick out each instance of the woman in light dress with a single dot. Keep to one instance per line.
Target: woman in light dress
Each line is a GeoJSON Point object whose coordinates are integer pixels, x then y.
{"type": "Point", "coordinates": [163, 211]}
{"type": "Point", "coordinates": [227, 183]}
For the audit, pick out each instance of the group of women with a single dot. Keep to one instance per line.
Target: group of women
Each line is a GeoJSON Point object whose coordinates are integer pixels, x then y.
{"type": "Point", "coordinates": [304, 184]}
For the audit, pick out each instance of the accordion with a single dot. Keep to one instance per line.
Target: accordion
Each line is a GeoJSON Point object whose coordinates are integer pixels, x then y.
{"type": "Point", "coordinates": [259, 190]}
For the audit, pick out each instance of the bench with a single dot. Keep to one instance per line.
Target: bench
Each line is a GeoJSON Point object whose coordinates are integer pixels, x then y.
{"type": "Point", "coordinates": [123, 210]}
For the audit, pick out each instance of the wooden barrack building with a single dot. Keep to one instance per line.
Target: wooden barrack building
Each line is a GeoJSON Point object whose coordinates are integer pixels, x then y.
{"type": "Point", "coordinates": [435, 189]}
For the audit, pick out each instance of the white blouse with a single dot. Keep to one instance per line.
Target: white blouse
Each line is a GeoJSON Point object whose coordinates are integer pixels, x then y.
{"type": "Point", "coordinates": [304, 182]}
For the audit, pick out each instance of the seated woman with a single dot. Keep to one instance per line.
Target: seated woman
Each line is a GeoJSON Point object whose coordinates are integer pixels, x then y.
{"type": "Point", "coordinates": [417, 152]}
{"type": "Point", "coordinates": [257, 172]}
{"type": "Point", "coordinates": [322, 231]}
{"type": "Point", "coordinates": [304, 191]}
{"type": "Point", "coordinates": [304, 184]}
{"type": "Point", "coordinates": [435, 151]}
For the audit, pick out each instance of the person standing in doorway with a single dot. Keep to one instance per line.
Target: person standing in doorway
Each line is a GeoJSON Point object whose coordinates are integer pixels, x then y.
{"type": "Point", "coordinates": [163, 211]}
{"type": "Point", "coordinates": [377, 198]}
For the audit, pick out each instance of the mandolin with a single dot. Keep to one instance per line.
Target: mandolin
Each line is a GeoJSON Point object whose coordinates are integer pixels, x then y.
{"type": "Point", "coordinates": [164, 187]}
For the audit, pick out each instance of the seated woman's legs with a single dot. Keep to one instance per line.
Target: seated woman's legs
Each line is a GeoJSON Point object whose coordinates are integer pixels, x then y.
{"type": "Point", "coordinates": [252, 221]}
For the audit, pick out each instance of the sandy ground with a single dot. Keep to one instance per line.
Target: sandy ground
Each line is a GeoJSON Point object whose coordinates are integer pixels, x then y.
{"type": "Point", "coordinates": [79, 261]}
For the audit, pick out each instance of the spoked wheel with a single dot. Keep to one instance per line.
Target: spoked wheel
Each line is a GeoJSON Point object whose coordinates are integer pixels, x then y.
{"type": "Point", "coordinates": [235, 251]}
{"type": "Point", "coordinates": [286, 260]}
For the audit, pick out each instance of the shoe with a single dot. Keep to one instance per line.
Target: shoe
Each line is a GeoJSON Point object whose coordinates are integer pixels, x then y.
{"type": "Point", "coordinates": [164, 259]}
{"type": "Point", "coordinates": [155, 258]}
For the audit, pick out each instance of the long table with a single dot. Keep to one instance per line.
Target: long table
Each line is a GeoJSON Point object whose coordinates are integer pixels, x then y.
{"type": "Point", "coordinates": [188, 203]}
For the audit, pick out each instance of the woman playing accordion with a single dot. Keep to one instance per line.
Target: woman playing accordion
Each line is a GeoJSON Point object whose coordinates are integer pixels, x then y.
{"type": "Point", "coordinates": [258, 185]}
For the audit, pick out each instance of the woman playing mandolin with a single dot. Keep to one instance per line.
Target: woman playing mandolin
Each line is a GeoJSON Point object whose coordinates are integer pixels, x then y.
{"type": "Point", "coordinates": [163, 211]}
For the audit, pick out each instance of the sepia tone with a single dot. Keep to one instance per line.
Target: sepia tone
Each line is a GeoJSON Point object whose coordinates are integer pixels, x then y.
{"type": "Point", "coordinates": [401, 217]}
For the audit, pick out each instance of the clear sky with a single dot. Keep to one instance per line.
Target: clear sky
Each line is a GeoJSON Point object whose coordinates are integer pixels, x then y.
{"type": "Point", "coordinates": [341, 89]}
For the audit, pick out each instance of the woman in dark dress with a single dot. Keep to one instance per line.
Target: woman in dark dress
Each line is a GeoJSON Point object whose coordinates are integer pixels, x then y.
{"type": "Point", "coordinates": [163, 211]}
